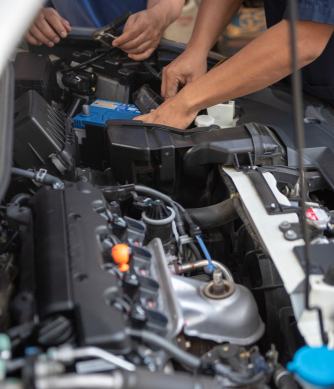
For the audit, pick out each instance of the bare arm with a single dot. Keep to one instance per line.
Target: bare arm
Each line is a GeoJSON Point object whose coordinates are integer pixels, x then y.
{"type": "Point", "coordinates": [143, 31]}
{"type": "Point", "coordinates": [262, 62]}
{"type": "Point", "coordinates": [212, 19]}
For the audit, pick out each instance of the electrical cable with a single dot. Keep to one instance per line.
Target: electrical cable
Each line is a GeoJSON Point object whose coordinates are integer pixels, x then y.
{"type": "Point", "coordinates": [299, 131]}
{"type": "Point", "coordinates": [152, 70]}
{"type": "Point", "coordinates": [90, 61]}
{"type": "Point", "coordinates": [207, 255]}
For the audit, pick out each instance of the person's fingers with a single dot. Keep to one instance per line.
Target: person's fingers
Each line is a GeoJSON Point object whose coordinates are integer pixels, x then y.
{"type": "Point", "coordinates": [31, 39]}
{"type": "Point", "coordinates": [142, 118]}
{"type": "Point", "coordinates": [140, 48]}
{"type": "Point", "coordinates": [66, 24]}
{"type": "Point", "coordinates": [142, 56]}
{"type": "Point", "coordinates": [54, 24]}
{"type": "Point", "coordinates": [132, 29]}
{"type": "Point", "coordinates": [170, 84]}
{"type": "Point", "coordinates": [126, 37]}
{"type": "Point", "coordinates": [134, 43]}
{"type": "Point", "coordinates": [46, 30]}
{"type": "Point", "coordinates": [37, 33]}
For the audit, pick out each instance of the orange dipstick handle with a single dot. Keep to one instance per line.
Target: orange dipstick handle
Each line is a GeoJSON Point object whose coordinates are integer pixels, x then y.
{"type": "Point", "coordinates": [121, 255]}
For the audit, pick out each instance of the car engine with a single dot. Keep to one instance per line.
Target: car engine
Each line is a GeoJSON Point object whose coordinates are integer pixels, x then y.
{"type": "Point", "coordinates": [141, 256]}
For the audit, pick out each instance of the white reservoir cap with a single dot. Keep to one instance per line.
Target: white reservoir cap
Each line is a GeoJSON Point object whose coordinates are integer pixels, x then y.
{"type": "Point", "coordinates": [204, 121]}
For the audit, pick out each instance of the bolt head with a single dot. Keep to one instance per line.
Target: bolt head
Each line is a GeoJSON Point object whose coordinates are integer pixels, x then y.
{"type": "Point", "coordinates": [290, 234]}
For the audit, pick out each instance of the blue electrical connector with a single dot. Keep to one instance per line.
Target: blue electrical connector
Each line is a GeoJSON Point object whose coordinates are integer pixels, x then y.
{"type": "Point", "coordinates": [210, 267]}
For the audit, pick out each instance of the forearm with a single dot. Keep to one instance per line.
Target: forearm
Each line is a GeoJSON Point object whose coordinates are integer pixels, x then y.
{"type": "Point", "coordinates": [212, 19]}
{"type": "Point", "coordinates": [263, 62]}
{"type": "Point", "coordinates": [170, 9]}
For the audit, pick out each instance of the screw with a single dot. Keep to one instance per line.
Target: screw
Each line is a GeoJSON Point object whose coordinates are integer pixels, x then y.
{"type": "Point", "coordinates": [285, 224]}
{"type": "Point", "coordinates": [291, 235]}
{"type": "Point", "coordinates": [272, 205]}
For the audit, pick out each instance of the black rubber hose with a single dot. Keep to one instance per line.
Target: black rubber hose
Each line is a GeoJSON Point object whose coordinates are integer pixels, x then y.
{"type": "Point", "coordinates": [47, 180]}
{"type": "Point", "coordinates": [283, 379]}
{"type": "Point", "coordinates": [190, 360]}
{"type": "Point", "coordinates": [214, 215]}
{"type": "Point", "coordinates": [20, 199]}
{"type": "Point", "coordinates": [154, 193]}
{"type": "Point", "coordinates": [195, 250]}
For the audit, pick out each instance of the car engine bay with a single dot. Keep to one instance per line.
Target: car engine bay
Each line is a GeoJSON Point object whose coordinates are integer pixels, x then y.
{"type": "Point", "coordinates": [136, 255]}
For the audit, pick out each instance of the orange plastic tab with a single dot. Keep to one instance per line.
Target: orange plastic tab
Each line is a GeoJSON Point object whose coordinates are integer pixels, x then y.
{"type": "Point", "coordinates": [121, 255]}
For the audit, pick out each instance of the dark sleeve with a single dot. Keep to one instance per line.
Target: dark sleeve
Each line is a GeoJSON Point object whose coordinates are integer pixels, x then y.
{"type": "Point", "coordinates": [48, 4]}
{"type": "Point", "coordinates": [320, 11]}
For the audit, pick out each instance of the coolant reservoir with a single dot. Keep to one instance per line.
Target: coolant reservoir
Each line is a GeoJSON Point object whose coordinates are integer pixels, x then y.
{"type": "Point", "coordinates": [182, 28]}
{"type": "Point", "coordinates": [223, 114]}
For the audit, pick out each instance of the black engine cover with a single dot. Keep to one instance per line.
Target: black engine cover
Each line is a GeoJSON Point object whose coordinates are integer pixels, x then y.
{"type": "Point", "coordinates": [69, 277]}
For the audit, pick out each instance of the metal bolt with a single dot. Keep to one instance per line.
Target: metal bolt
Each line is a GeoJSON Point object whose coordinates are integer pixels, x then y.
{"type": "Point", "coordinates": [272, 205]}
{"type": "Point", "coordinates": [285, 224]}
{"type": "Point", "coordinates": [290, 234]}
{"type": "Point", "coordinates": [217, 277]}
{"type": "Point", "coordinates": [86, 109]}
{"type": "Point", "coordinates": [218, 282]}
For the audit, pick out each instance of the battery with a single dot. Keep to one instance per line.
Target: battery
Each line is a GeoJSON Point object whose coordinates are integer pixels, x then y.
{"type": "Point", "coordinates": [101, 110]}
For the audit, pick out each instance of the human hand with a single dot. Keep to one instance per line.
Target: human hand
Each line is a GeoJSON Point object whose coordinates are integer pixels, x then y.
{"type": "Point", "coordinates": [142, 33]}
{"type": "Point", "coordinates": [174, 112]}
{"type": "Point", "coordinates": [48, 27]}
{"type": "Point", "coordinates": [188, 67]}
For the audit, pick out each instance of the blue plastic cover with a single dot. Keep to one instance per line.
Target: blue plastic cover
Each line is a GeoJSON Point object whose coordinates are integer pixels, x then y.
{"type": "Point", "coordinates": [101, 111]}
{"type": "Point", "coordinates": [314, 365]}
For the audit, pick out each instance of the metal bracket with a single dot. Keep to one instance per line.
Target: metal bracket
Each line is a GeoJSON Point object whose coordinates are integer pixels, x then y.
{"type": "Point", "coordinates": [185, 239]}
{"type": "Point", "coordinates": [40, 176]}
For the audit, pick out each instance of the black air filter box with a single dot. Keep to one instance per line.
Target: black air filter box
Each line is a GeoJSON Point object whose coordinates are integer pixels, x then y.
{"type": "Point", "coordinates": [43, 137]}
{"type": "Point", "coordinates": [135, 147]}
{"type": "Point", "coordinates": [33, 72]}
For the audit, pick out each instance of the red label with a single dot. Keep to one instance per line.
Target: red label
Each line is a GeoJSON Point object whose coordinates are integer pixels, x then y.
{"type": "Point", "coordinates": [311, 215]}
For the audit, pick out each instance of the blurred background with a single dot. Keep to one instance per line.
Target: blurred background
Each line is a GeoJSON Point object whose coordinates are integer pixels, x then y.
{"type": "Point", "coordinates": [247, 25]}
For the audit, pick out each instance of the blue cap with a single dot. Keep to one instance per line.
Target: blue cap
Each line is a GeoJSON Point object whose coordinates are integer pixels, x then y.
{"type": "Point", "coordinates": [31, 350]}
{"type": "Point", "coordinates": [314, 365]}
